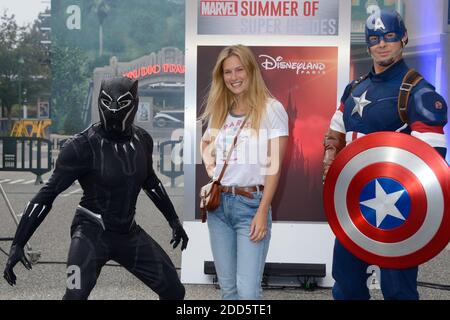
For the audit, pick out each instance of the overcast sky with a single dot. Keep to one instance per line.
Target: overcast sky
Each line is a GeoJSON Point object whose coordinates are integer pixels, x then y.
{"type": "Point", "coordinates": [25, 11]}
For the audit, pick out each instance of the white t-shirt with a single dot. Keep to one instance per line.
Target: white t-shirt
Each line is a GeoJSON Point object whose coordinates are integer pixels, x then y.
{"type": "Point", "coordinates": [248, 162]}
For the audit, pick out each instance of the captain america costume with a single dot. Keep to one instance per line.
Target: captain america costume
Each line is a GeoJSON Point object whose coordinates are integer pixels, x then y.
{"type": "Point", "coordinates": [371, 104]}
{"type": "Point", "coordinates": [112, 160]}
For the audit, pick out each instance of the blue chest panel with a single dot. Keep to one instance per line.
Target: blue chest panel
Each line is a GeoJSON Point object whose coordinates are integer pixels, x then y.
{"type": "Point", "coordinates": [372, 107]}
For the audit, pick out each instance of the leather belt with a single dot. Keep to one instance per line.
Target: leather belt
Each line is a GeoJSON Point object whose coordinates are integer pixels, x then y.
{"type": "Point", "coordinates": [243, 191]}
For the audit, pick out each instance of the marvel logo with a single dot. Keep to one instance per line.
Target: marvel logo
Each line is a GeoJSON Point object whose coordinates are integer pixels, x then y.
{"type": "Point", "coordinates": [219, 8]}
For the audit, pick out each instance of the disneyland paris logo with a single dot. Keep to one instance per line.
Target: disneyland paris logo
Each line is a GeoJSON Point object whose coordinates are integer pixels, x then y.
{"type": "Point", "coordinates": [301, 67]}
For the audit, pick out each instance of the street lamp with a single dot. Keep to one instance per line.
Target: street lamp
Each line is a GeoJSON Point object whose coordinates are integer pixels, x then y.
{"type": "Point", "coordinates": [19, 78]}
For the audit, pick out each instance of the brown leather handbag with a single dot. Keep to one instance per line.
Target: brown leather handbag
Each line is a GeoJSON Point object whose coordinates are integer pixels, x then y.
{"type": "Point", "coordinates": [210, 192]}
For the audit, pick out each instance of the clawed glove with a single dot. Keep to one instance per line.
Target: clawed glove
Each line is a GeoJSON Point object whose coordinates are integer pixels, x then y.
{"type": "Point", "coordinates": [178, 234]}
{"type": "Point", "coordinates": [16, 254]}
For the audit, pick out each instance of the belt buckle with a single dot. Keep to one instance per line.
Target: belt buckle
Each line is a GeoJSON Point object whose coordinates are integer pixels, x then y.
{"type": "Point", "coordinates": [406, 87]}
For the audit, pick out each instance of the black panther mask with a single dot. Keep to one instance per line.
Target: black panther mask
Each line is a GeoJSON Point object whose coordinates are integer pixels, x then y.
{"type": "Point", "coordinates": [117, 103]}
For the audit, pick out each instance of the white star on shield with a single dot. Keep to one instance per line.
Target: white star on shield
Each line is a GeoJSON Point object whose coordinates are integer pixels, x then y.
{"type": "Point", "coordinates": [360, 103]}
{"type": "Point", "coordinates": [384, 204]}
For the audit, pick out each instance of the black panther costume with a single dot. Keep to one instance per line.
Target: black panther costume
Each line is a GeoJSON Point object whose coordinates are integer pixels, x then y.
{"type": "Point", "coordinates": [112, 160]}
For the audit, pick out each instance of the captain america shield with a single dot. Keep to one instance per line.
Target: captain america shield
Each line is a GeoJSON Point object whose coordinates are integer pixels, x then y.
{"type": "Point", "coordinates": [387, 200]}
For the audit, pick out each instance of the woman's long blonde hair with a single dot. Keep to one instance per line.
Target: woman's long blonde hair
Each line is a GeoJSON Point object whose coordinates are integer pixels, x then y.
{"type": "Point", "coordinates": [220, 99]}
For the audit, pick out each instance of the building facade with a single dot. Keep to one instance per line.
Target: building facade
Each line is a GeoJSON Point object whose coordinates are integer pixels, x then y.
{"type": "Point", "coordinates": [161, 83]}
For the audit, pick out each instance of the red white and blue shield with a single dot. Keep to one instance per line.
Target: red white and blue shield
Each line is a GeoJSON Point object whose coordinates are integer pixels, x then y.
{"type": "Point", "coordinates": [387, 200]}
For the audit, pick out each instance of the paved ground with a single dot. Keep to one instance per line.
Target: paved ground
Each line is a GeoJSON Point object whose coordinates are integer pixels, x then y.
{"type": "Point", "coordinates": [47, 280]}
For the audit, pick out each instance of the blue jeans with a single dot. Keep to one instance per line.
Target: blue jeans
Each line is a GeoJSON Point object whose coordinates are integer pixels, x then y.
{"type": "Point", "coordinates": [239, 262]}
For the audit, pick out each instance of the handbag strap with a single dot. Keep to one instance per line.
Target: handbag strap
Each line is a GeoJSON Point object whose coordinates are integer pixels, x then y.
{"type": "Point", "coordinates": [225, 165]}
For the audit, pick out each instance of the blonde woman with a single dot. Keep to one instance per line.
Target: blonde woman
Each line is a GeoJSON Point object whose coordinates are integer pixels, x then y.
{"type": "Point", "coordinates": [240, 229]}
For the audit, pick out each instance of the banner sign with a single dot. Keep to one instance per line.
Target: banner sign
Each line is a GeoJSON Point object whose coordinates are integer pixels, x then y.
{"type": "Point", "coordinates": [268, 17]}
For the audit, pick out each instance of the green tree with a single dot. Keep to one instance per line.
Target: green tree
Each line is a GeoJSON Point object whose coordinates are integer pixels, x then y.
{"type": "Point", "coordinates": [129, 29]}
{"type": "Point", "coordinates": [70, 84]}
{"type": "Point", "coordinates": [101, 9]}
{"type": "Point", "coordinates": [9, 66]}
{"type": "Point", "coordinates": [36, 76]}
{"type": "Point", "coordinates": [73, 122]}
{"type": "Point", "coordinates": [23, 65]}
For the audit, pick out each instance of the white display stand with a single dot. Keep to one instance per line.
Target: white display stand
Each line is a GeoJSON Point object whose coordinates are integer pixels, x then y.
{"type": "Point", "coordinates": [291, 242]}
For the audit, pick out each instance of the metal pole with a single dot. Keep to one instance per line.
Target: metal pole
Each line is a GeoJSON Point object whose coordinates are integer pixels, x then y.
{"type": "Point", "coordinates": [34, 256]}
{"type": "Point", "coordinates": [8, 204]}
